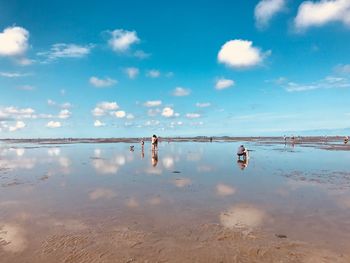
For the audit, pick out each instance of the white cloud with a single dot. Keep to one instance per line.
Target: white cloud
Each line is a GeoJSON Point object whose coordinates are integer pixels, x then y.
{"type": "Point", "coordinates": [13, 74]}
{"type": "Point", "coordinates": [98, 123]}
{"type": "Point", "coordinates": [64, 114]}
{"type": "Point", "coordinates": [141, 54]}
{"type": "Point", "coordinates": [168, 112]}
{"type": "Point", "coordinates": [62, 50]}
{"type": "Point", "coordinates": [180, 92]}
{"type": "Point", "coordinates": [102, 83]}
{"type": "Point", "coordinates": [132, 72]}
{"type": "Point", "coordinates": [13, 41]}
{"type": "Point", "coordinates": [266, 9]}
{"type": "Point", "coordinates": [18, 126]}
{"type": "Point", "coordinates": [53, 124]}
{"type": "Point", "coordinates": [152, 123]}
{"type": "Point", "coordinates": [130, 116]}
{"type": "Point", "coordinates": [153, 112]}
{"type": "Point", "coordinates": [203, 104]}
{"type": "Point", "coordinates": [322, 12]}
{"type": "Point", "coordinates": [153, 103]}
{"type": "Point", "coordinates": [241, 54]}
{"type": "Point", "coordinates": [329, 82]}
{"type": "Point", "coordinates": [120, 114]}
{"type": "Point", "coordinates": [17, 113]}
{"type": "Point", "coordinates": [224, 84]}
{"type": "Point", "coordinates": [193, 115]}
{"type": "Point", "coordinates": [343, 69]}
{"type": "Point", "coordinates": [153, 73]}
{"type": "Point", "coordinates": [104, 107]}
{"type": "Point", "coordinates": [121, 40]}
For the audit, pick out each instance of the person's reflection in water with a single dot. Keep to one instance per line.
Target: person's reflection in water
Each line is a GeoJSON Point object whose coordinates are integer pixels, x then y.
{"type": "Point", "coordinates": [154, 158]}
{"type": "Point", "coordinates": [242, 164]}
{"type": "Point", "coordinates": [142, 152]}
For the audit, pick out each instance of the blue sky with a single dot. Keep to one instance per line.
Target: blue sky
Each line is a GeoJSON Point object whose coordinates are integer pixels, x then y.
{"type": "Point", "coordinates": [174, 68]}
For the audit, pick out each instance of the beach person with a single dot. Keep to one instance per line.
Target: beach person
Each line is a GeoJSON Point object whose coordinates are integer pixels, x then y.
{"type": "Point", "coordinates": [285, 139]}
{"type": "Point", "coordinates": [154, 142]}
{"type": "Point", "coordinates": [346, 139]}
{"type": "Point", "coordinates": [242, 152]}
{"type": "Point", "coordinates": [131, 148]}
{"type": "Point", "coordinates": [142, 142]}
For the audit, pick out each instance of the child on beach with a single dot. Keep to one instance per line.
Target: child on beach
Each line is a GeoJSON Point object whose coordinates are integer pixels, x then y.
{"type": "Point", "coordinates": [242, 152]}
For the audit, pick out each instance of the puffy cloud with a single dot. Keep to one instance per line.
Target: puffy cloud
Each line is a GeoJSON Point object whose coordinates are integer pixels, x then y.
{"type": "Point", "coordinates": [13, 41]}
{"type": "Point", "coordinates": [153, 73]}
{"type": "Point", "coordinates": [53, 124]}
{"type": "Point", "coordinates": [152, 123]}
{"type": "Point", "coordinates": [132, 72]}
{"type": "Point", "coordinates": [266, 9]}
{"type": "Point", "coordinates": [193, 115]}
{"type": "Point", "coordinates": [180, 92]}
{"type": "Point", "coordinates": [153, 112]}
{"type": "Point", "coordinates": [101, 83]}
{"type": "Point", "coordinates": [203, 104]}
{"type": "Point", "coordinates": [320, 13]}
{"type": "Point", "coordinates": [62, 50]}
{"type": "Point", "coordinates": [17, 113]}
{"type": "Point", "coordinates": [224, 83]}
{"type": "Point", "coordinates": [153, 103]}
{"type": "Point", "coordinates": [98, 123]}
{"type": "Point", "coordinates": [18, 126]}
{"type": "Point", "coordinates": [64, 114]}
{"type": "Point", "coordinates": [121, 40]}
{"type": "Point", "coordinates": [104, 107]}
{"type": "Point", "coordinates": [241, 54]}
{"type": "Point", "coordinates": [168, 112]}
{"type": "Point", "coordinates": [120, 114]}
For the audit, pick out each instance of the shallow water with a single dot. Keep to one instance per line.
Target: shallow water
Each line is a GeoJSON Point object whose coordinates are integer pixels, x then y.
{"type": "Point", "coordinates": [296, 193]}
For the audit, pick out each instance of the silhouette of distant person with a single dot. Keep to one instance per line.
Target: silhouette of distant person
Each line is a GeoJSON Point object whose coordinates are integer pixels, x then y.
{"type": "Point", "coordinates": [154, 142]}
{"type": "Point", "coordinates": [154, 158]}
{"type": "Point", "coordinates": [242, 164]}
{"type": "Point", "coordinates": [346, 139]}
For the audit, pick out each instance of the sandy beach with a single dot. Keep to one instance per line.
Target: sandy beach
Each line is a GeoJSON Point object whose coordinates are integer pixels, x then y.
{"type": "Point", "coordinates": [193, 202]}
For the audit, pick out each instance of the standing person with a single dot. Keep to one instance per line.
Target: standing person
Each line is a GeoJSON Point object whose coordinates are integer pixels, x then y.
{"type": "Point", "coordinates": [242, 152]}
{"type": "Point", "coordinates": [154, 142]}
{"type": "Point", "coordinates": [346, 139]}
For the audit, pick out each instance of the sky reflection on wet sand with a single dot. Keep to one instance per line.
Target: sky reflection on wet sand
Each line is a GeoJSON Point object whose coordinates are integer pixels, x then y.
{"type": "Point", "coordinates": [302, 192]}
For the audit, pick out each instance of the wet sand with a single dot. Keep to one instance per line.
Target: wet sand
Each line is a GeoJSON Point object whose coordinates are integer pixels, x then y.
{"type": "Point", "coordinates": [99, 202]}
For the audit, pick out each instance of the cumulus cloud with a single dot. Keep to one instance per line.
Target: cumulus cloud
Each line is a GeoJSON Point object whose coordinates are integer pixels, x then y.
{"type": "Point", "coordinates": [266, 9]}
{"type": "Point", "coordinates": [224, 84]}
{"type": "Point", "coordinates": [53, 124]}
{"type": "Point", "coordinates": [153, 112]}
{"type": "Point", "coordinates": [64, 114]}
{"type": "Point", "coordinates": [102, 83]}
{"type": "Point", "coordinates": [18, 126]}
{"type": "Point", "coordinates": [62, 50]}
{"type": "Point", "coordinates": [240, 53]}
{"type": "Point", "coordinates": [180, 92]}
{"type": "Point", "coordinates": [153, 103]}
{"type": "Point", "coordinates": [98, 123]}
{"type": "Point", "coordinates": [132, 72]}
{"type": "Point", "coordinates": [316, 14]}
{"type": "Point", "coordinates": [203, 104]}
{"type": "Point", "coordinates": [141, 54]}
{"type": "Point", "coordinates": [13, 41]}
{"type": "Point", "coordinates": [120, 114]}
{"type": "Point", "coordinates": [16, 113]}
{"type": "Point", "coordinates": [130, 116]}
{"type": "Point", "coordinates": [121, 40]}
{"type": "Point", "coordinates": [153, 73]}
{"type": "Point", "coordinates": [168, 112]}
{"type": "Point", "coordinates": [193, 115]}
{"type": "Point", "coordinates": [103, 107]}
